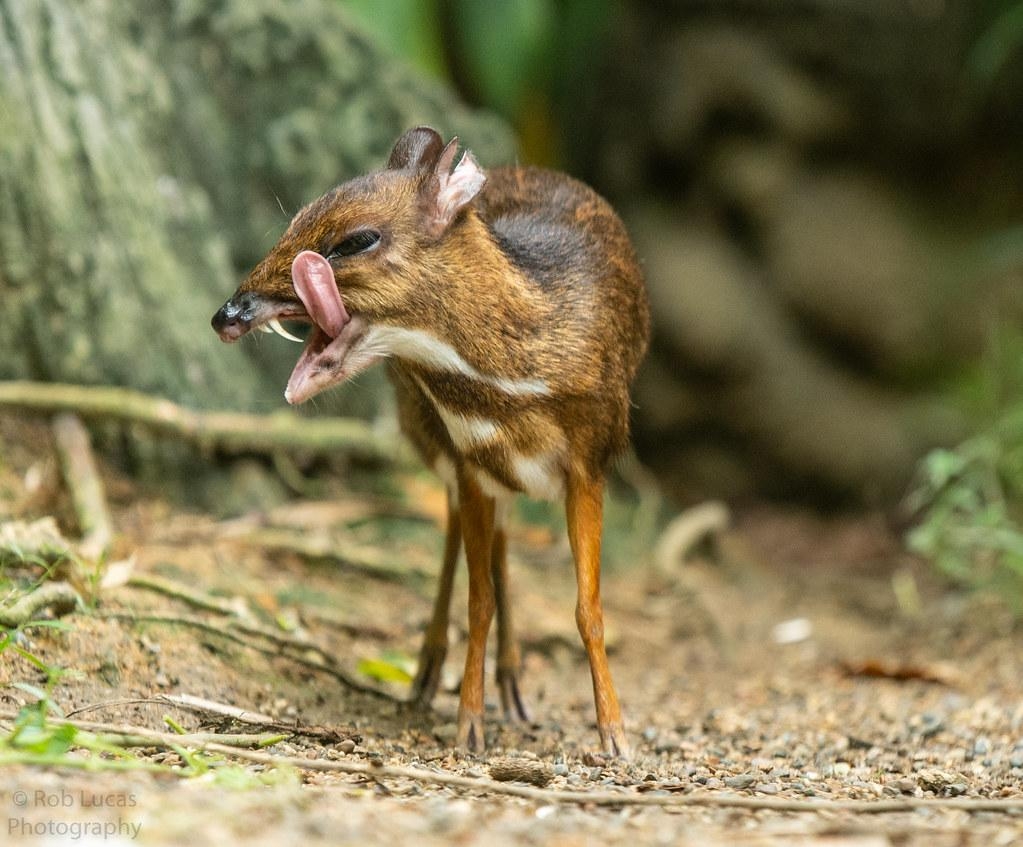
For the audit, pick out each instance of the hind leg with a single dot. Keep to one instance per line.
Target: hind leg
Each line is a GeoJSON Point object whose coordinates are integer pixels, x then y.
{"type": "Point", "coordinates": [435, 641]}
{"type": "Point", "coordinates": [509, 663]}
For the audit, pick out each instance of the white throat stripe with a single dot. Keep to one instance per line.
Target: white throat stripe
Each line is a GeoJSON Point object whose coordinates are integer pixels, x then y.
{"type": "Point", "coordinates": [425, 349]}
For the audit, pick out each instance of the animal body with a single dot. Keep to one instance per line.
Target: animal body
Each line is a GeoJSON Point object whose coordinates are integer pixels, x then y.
{"type": "Point", "coordinates": [511, 311]}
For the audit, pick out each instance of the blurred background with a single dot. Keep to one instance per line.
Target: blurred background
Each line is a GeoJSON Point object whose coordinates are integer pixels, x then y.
{"type": "Point", "coordinates": [825, 194]}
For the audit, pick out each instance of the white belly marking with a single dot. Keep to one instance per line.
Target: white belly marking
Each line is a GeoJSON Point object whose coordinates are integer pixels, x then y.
{"type": "Point", "coordinates": [465, 430]}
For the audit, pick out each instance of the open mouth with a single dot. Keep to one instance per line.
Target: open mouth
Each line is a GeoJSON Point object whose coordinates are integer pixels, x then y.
{"type": "Point", "coordinates": [332, 352]}
{"type": "Point", "coordinates": [327, 356]}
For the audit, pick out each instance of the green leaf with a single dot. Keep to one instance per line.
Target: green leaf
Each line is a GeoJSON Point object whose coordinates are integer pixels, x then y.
{"type": "Point", "coordinates": [390, 669]}
{"type": "Point", "coordinates": [29, 688]}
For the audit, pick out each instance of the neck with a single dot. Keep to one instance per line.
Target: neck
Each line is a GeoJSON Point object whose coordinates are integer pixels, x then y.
{"type": "Point", "coordinates": [478, 304]}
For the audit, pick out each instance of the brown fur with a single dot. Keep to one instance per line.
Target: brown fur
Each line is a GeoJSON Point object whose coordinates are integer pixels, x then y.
{"type": "Point", "coordinates": [534, 279]}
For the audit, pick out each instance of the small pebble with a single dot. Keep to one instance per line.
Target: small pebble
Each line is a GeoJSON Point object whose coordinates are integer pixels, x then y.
{"type": "Point", "coordinates": [714, 782]}
{"type": "Point", "coordinates": [742, 780]}
{"type": "Point", "coordinates": [346, 746]}
{"type": "Point", "coordinates": [768, 788]}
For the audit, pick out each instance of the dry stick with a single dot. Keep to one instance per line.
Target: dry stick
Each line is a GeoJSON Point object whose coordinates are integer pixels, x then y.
{"type": "Point", "coordinates": [79, 466]}
{"type": "Point", "coordinates": [207, 708]}
{"type": "Point", "coordinates": [365, 560]}
{"type": "Point", "coordinates": [228, 431]}
{"type": "Point", "coordinates": [139, 736]}
{"type": "Point", "coordinates": [170, 588]}
{"type": "Point", "coordinates": [212, 707]}
{"type": "Point", "coordinates": [548, 795]}
{"type": "Point", "coordinates": [107, 704]}
{"type": "Point", "coordinates": [283, 641]}
{"type": "Point", "coordinates": [199, 600]}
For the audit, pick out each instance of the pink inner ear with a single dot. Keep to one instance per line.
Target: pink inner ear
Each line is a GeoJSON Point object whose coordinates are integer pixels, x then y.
{"type": "Point", "coordinates": [458, 188]}
{"type": "Point", "coordinates": [313, 278]}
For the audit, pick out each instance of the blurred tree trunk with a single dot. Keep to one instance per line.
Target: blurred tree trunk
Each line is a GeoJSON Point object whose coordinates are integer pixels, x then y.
{"type": "Point", "coordinates": [151, 151]}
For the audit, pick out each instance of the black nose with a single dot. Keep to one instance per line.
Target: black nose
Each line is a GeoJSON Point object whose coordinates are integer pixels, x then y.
{"type": "Point", "coordinates": [235, 317]}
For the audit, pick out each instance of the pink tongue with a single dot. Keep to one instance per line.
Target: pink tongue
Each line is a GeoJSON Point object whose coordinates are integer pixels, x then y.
{"type": "Point", "coordinates": [313, 279]}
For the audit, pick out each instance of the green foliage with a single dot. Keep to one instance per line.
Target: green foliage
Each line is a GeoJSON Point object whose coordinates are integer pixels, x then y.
{"type": "Point", "coordinates": [971, 500]}
{"type": "Point", "coordinates": [999, 42]}
{"type": "Point", "coordinates": [532, 61]}
{"type": "Point", "coordinates": [392, 666]}
{"type": "Point", "coordinates": [407, 28]}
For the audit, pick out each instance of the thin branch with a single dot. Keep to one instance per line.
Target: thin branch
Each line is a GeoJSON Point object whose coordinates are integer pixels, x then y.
{"type": "Point", "coordinates": [208, 708]}
{"type": "Point", "coordinates": [219, 629]}
{"type": "Point", "coordinates": [484, 785]}
{"type": "Point", "coordinates": [223, 710]}
{"type": "Point", "coordinates": [228, 431]}
{"type": "Point", "coordinates": [106, 704]}
{"type": "Point", "coordinates": [177, 591]}
{"type": "Point", "coordinates": [324, 546]}
{"type": "Point", "coordinates": [139, 736]}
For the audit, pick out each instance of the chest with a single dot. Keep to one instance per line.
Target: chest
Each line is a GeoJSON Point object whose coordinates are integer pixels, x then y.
{"type": "Point", "coordinates": [511, 442]}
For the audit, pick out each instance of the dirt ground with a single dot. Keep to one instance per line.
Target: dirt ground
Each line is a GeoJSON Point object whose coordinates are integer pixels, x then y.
{"type": "Point", "coordinates": [806, 658]}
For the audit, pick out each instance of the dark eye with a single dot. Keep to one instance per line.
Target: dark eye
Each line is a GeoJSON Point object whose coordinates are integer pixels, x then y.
{"type": "Point", "coordinates": [358, 242]}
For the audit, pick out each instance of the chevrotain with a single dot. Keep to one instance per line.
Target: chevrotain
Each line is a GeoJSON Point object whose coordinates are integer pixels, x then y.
{"type": "Point", "coordinates": [510, 307]}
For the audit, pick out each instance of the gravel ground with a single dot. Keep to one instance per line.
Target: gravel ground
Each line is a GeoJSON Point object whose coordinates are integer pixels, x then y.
{"type": "Point", "coordinates": [782, 670]}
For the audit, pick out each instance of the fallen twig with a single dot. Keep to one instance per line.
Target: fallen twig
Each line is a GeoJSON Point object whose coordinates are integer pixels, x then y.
{"type": "Point", "coordinates": [483, 785]}
{"type": "Point", "coordinates": [76, 460]}
{"type": "Point", "coordinates": [327, 666]}
{"type": "Point", "coordinates": [211, 707]}
{"type": "Point", "coordinates": [58, 597]}
{"type": "Point", "coordinates": [228, 431]}
{"type": "Point", "coordinates": [138, 736]}
{"type": "Point", "coordinates": [321, 545]}
{"type": "Point", "coordinates": [107, 704]}
{"type": "Point", "coordinates": [177, 591]}
{"type": "Point", "coordinates": [202, 706]}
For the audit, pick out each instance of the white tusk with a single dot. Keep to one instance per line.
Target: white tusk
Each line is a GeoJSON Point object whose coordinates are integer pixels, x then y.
{"type": "Point", "coordinates": [264, 328]}
{"type": "Point", "coordinates": [275, 326]}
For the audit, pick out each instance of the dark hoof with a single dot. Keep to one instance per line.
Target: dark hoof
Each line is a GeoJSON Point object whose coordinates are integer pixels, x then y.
{"type": "Point", "coordinates": [427, 681]}
{"type": "Point", "coordinates": [612, 739]}
{"type": "Point", "coordinates": [470, 732]}
{"type": "Point", "coordinates": [511, 699]}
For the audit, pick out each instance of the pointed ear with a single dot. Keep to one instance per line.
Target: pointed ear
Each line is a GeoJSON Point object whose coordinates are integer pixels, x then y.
{"type": "Point", "coordinates": [451, 190]}
{"type": "Point", "coordinates": [417, 149]}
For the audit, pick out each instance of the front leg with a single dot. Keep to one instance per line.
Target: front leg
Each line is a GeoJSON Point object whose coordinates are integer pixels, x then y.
{"type": "Point", "coordinates": [477, 519]}
{"type": "Point", "coordinates": [585, 511]}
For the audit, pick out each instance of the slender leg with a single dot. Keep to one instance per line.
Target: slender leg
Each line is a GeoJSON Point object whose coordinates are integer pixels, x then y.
{"type": "Point", "coordinates": [585, 508]}
{"type": "Point", "coordinates": [509, 663]}
{"type": "Point", "coordinates": [435, 641]}
{"type": "Point", "coordinates": [477, 512]}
